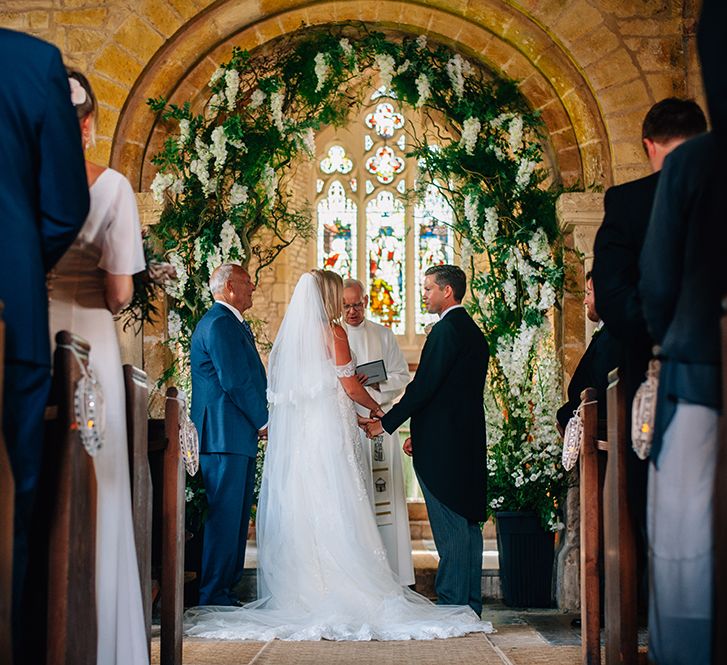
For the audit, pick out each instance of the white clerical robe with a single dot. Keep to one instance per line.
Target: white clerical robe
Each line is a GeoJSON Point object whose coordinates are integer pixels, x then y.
{"type": "Point", "coordinates": [369, 342]}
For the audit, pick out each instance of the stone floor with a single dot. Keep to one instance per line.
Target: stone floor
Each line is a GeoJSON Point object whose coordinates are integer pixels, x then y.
{"type": "Point", "coordinates": [521, 637]}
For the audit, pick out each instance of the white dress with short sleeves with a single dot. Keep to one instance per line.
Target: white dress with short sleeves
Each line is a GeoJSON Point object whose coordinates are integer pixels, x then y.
{"type": "Point", "coordinates": [109, 242]}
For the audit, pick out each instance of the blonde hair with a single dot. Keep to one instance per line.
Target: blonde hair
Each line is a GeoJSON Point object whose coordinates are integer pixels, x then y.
{"type": "Point", "coordinates": [330, 285]}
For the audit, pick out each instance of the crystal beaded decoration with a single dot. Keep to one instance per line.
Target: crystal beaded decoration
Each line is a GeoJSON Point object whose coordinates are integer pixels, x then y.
{"type": "Point", "coordinates": [188, 441]}
{"type": "Point", "coordinates": [89, 411]}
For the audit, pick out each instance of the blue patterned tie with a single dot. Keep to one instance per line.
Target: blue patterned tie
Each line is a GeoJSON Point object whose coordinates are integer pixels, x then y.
{"type": "Point", "coordinates": [248, 331]}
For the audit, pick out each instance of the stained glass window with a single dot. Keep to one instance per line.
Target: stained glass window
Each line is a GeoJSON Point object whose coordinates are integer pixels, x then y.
{"type": "Point", "coordinates": [386, 251]}
{"type": "Point", "coordinates": [336, 161]}
{"type": "Point", "coordinates": [385, 164]}
{"type": "Point", "coordinates": [385, 121]}
{"type": "Point", "coordinates": [434, 245]}
{"type": "Point", "coordinates": [337, 231]}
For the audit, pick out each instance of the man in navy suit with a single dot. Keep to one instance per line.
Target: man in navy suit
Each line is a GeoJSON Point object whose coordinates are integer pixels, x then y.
{"type": "Point", "coordinates": [43, 204]}
{"type": "Point", "coordinates": [229, 408]}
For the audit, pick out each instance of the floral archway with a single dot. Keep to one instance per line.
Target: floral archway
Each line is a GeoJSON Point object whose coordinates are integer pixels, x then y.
{"type": "Point", "coordinates": [224, 178]}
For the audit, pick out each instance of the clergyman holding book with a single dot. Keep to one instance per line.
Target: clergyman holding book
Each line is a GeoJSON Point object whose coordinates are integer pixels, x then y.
{"type": "Point", "coordinates": [384, 371]}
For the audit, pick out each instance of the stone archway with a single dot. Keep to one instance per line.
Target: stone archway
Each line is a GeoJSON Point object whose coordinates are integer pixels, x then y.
{"type": "Point", "coordinates": [506, 40]}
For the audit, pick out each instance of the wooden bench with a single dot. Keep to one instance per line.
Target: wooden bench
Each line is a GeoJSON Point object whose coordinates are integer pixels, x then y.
{"type": "Point", "coordinates": [719, 643]}
{"type": "Point", "coordinates": [65, 536]}
{"type": "Point", "coordinates": [137, 431]}
{"type": "Point", "coordinates": [607, 527]}
{"type": "Point", "coordinates": [7, 508]}
{"type": "Point", "coordinates": [164, 442]}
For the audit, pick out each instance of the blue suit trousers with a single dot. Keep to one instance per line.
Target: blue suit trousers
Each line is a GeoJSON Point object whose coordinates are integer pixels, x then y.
{"type": "Point", "coordinates": [229, 482]}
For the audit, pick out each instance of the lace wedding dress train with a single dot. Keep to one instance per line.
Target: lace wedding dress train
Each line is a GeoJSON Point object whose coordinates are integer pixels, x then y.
{"type": "Point", "coordinates": [322, 568]}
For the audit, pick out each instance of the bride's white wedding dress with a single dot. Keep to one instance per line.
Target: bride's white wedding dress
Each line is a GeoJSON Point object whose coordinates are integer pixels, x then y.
{"type": "Point", "coordinates": [322, 568]}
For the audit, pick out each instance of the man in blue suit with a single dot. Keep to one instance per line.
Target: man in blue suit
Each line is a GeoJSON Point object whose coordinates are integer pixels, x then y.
{"type": "Point", "coordinates": [229, 408]}
{"type": "Point", "coordinates": [43, 204]}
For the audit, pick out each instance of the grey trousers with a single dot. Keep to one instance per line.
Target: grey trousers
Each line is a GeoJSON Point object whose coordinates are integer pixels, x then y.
{"type": "Point", "coordinates": [679, 528]}
{"type": "Point", "coordinates": [459, 543]}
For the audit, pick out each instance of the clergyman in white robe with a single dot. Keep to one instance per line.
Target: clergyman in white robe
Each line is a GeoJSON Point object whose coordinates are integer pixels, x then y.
{"type": "Point", "coordinates": [369, 342]}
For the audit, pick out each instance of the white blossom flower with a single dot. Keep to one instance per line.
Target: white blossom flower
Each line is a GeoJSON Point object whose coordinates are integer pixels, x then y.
{"type": "Point", "coordinates": [160, 184]}
{"type": "Point", "coordinates": [276, 109]}
{"type": "Point", "coordinates": [422, 41]}
{"type": "Point", "coordinates": [230, 244]}
{"type": "Point", "coordinates": [457, 69]}
{"type": "Point", "coordinates": [174, 324]}
{"type": "Point", "coordinates": [232, 82]}
{"type": "Point", "coordinates": [509, 291]}
{"type": "Point", "coordinates": [515, 133]}
{"type": "Point", "coordinates": [175, 287]}
{"type": "Point", "coordinates": [386, 66]}
{"type": "Point", "coordinates": [238, 194]}
{"type": "Point", "coordinates": [547, 297]}
{"type": "Point", "coordinates": [403, 67]}
{"type": "Point", "coordinates": [346, 47]}
{"type": "Point", "coordinates": [471, 211]}
{"type": "Point", "coordinates": [257, 98]}
{"type": "Point", "coordinates": [213, 260]}
{"type": "Point", "coordinates": [184, 132]}
{"type": "Point", "coordinates": [470, 132]}
{"type": "Point", "coordinates": [219, 73]}
{"type": "Point", "coordinates": [198, 251]}
{"type": "Point", "coordinates": [321, 70]}
{"type": "Point", "coordinates": [539, 249]}
{"type": "Point", "coordinates": [491, 226]}
{"type": "Point", "coordinates": [306, 140]}
{"type": "Point", "coordinates": [524, 172]}
{"type": "Point", "coordinates": [423, 90]}
{"type": "Point", "coordinates": [270, 183]}
{"type": "Point", "coordinates": [215, 102]}
{"type": "Point", "coordinates": [219, 147]}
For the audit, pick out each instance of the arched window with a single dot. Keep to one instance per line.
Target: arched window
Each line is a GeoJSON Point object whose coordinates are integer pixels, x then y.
{"type": "Point", "coordinates": [374, 231]}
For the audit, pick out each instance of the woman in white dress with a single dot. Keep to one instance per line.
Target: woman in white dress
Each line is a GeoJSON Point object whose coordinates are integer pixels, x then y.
{"type": "Point", "coordinates": [90, 284]}
{"type": "Point", "coordinates": [322, 568]}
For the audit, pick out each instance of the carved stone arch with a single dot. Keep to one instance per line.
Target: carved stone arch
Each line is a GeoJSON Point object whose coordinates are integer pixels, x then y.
{"type": "Point", "coordinates": [503, 38]}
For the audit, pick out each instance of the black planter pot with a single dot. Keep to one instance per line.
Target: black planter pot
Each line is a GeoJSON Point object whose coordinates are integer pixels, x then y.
{"type": "Point", "coordinates": [526, 553]}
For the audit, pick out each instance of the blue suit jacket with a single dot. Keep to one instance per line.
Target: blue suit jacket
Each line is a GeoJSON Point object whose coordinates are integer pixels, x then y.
{"type": "Point", "coordinates": [229, 402]}
{"type": "Point", "coordinates": [43, 186]}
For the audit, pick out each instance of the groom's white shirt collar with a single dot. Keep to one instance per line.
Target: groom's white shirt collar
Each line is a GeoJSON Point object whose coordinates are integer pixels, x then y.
{"type": "Point", "coordinates": [448, 310]}
{"type": "Point", "coordinates": [234, 310]}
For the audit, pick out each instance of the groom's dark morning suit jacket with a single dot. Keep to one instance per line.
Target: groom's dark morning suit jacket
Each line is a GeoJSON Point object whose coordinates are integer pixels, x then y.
{"type": "Point", "coordinates": [229, 403]}
{"type": "Point", "coordinates": [615, 285]}
{"type": "Point", "coordinates": [445, 403]}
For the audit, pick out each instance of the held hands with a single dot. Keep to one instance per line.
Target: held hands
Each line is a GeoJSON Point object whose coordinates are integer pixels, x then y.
{"type": "Point", "coordinates": [263, 433]}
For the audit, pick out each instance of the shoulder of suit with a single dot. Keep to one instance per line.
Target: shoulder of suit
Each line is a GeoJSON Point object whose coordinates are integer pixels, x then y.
{"type": "Point", "coordinates": [692, 153]}
{"type": "Point", "coordinates": [634, 187]}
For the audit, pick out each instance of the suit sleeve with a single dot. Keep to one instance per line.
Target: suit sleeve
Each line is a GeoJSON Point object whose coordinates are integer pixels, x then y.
{"type": "Point", "coordinates": [63, 186]}
{"type": "Point", "coordinates": [438, 356]}
{"type": "Point", "coordinates": [614, 263]}
{"type": "Point", "coordinates": [662, 257]}
{"type": "Point", "coordinates": [235, 370]}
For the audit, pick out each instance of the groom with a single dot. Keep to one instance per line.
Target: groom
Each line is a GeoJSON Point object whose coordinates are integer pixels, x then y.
{"type": "Point", "coordinates": [229, 409]}
{"type": "Point", "coordinates": [445, 404]}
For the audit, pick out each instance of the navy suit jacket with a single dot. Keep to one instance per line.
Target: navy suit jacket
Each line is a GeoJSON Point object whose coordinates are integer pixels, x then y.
{"type": "Point", "coordinates": [43, 186]}
{"type": "Point", "coordinates": [229, 386]}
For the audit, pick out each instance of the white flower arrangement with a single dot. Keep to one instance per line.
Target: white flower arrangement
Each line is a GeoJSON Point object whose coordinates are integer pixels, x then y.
{"type": "Point", "coordinates": [270, 183]}
{"type": "Point", "coordinates": [321, 70]}
{"type": "Point", "coordinates": [175, 288]}
{"type": "Point", "coordinates": [386, 66]}
{"type": "Point", "coordinates": [216, 76]}
{"type": "Point", "coordinates": [346, 47]}
{"type": "Point", "coordinates": [184, 133]}
{"type": "Point", "coordinates": [218, 148]}
{"type": "Point", "coordinates": [213, 260]}
{"type": "Point", "coordinates": [230, 244]}
{"type": "Point", "coordinates": [276, 109]}
{"type": "Point", "coordinates": [471, 212]}
{"type": "Point", "coordinates": [421, 42]}
{"type": "Point", "coordinates": [238, 194]}
{"type": "Point", "coordinates": [403, 67]}
{"type": "Point", "coordinates": [491, 226]}
{"type": "Point", "coordinates": [423, 90]}
{"type": "Point", "coordinates": [306, 140]}
{"type": "Point", "coordinates": [515, 133]}
{"type": "Point", "coordinates": [470, 132]}
{"type": "Point", "coordinates": [232, 81]}
{"type": "Point", "coordinates": [539, 249]}
{"type": "Point", "coordinates": [257, 98]}
{"type": "Point", "coordinates": [457, 69]}
{"type": "Point", "coordinates": [160, 184]}
{"type": "Point", "coordinates": [524, 173]}
{"type": "Point", "coordinates": [174, 324]}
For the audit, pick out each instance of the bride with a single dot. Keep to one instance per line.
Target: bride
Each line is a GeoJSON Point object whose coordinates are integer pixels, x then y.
{"type": "Point", "coordinates": [322, 568]}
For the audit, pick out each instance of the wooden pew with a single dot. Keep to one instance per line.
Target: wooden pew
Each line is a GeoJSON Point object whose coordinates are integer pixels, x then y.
{"type": "Point", "coordinates": [719, 642]}
{"type": "Point", "coordinates": [7, 508]}
{"type": "Point", "coordinates": [591, 501]}
{"type": "Point", "coordinates": [619, 537]}
{"type": "Point", "coordinates": [67, 499]}
{"type": "Point", "coordinates": [137, 398]}
{"type": "Point", "coordinates": [164, 440]}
